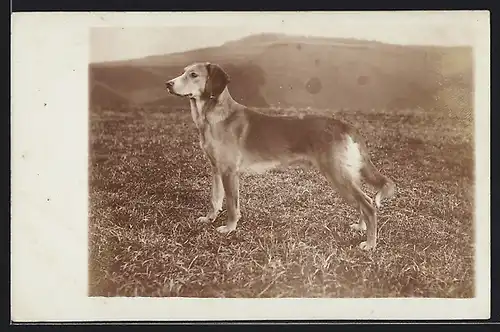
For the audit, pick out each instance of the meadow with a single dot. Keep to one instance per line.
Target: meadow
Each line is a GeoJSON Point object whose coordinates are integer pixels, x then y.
{"type": "Point", "coordinates": [149, 181]}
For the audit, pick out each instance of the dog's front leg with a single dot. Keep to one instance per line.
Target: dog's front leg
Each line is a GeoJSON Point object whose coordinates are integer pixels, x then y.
{"type": "Point", "coordinates": [217, 196]}
{"type": "Point", "coordinates": [230, 182]}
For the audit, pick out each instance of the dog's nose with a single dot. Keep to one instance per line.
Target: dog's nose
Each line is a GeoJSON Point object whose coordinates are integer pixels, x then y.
{"type": "Point", "coordinates": [169, 84]}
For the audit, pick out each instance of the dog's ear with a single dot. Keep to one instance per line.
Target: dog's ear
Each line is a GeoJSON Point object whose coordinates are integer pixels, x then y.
{"type": "Point", "coordinates": [217, 81]}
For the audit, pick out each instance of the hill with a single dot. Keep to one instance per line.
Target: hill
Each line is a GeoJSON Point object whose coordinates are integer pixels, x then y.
{"type": "Point", "coordinates": [283, 70]}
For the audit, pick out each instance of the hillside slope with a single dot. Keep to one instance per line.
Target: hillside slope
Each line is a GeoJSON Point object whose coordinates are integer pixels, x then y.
{"type": "Point", "coordinates": [282, 70]}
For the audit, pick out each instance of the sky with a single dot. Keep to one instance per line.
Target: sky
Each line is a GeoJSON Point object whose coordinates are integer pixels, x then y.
{"type": "Point", "coordinates": [127, 42]}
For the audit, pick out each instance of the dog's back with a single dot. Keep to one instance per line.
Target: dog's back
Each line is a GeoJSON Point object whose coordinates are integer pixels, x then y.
{"type": "Point", "coordinates": [291, 135]}
{"type": "Point", "coordinates": [317, 140]}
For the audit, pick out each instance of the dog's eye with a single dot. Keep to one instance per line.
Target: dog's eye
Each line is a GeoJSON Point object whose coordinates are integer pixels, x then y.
{"type": "Point", "coordinates": [193, 75]}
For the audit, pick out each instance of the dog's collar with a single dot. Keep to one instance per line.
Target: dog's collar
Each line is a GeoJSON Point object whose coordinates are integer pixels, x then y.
{"type": "Point", "coordinates": [214, 98]}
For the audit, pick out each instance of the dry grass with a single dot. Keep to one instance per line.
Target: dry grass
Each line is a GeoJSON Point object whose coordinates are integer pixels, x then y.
{"type": "Point", "coordinates": [149, 182]}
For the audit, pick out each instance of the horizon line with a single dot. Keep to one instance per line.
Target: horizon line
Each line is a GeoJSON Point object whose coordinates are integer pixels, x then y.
{"type": "Point", "coordinates": [281, 34]}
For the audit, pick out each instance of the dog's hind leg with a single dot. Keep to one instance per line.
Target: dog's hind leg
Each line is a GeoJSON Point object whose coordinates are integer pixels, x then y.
{"type": "Point", "coordinates": [352, 193]}
{"type": "Point", "coordinates": [360, 226]}
{"type": "Point", "coordinates": [385, 186]}
{"type": "Point", "coordinates": [368, 212]}
{"type": "Point", "coordinates": [342, 167]}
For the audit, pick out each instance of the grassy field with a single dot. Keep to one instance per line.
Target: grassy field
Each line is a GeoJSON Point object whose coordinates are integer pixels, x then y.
{"type": "Point", "coordinates": [149, 181]}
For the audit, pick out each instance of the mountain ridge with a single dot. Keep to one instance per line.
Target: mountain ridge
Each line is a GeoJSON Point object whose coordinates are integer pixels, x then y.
{"type": "Point", "coordinates": [300, 71]}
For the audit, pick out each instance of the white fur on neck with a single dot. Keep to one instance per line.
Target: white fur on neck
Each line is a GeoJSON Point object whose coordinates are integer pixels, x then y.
{"type": "Point", "coordinates": [196, 107]}
{"type": "Point", "coordinates": [199, 116]}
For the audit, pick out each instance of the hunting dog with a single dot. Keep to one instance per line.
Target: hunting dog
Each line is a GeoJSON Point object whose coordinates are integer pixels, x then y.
{"type": "Point", "coordinates": [238, 139]}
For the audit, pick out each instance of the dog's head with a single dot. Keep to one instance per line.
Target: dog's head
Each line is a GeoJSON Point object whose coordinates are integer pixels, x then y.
{"type": "Point", "coordinates": [199, 80]}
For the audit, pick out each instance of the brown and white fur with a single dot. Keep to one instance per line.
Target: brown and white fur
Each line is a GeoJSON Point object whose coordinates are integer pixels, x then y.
{"type": "Point", "coordinates": [237, 139]}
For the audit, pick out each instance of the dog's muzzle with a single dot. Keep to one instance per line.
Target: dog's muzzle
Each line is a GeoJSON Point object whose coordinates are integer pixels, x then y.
{"type": "Point", "coordinates": [170, 88]}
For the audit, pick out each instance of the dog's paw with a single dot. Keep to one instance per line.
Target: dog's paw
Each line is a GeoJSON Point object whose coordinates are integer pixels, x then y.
{"type": "Point", "coordinates": [226, 229]}
{"type": "Point", "coordinates": [358, 227]}
{"type": "Point", "coordinates": [204, 220]}
{"type": "Point", "coordinates": [366, 246]}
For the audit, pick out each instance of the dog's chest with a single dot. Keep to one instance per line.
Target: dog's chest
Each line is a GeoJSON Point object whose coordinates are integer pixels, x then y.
{"type": "Point", "coordinates": [213, 142]}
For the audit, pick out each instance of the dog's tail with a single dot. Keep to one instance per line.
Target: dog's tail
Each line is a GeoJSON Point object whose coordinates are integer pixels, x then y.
{"type": "Point", "coordinates": [385, 187]}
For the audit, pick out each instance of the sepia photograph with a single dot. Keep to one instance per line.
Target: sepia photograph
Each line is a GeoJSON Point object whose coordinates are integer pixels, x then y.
{"type": "Point", "coordinates": [283, 156]}
{"type": "Point", "coordinates": [236, 166]}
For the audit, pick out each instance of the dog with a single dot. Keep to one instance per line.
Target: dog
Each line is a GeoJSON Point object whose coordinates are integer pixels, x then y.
{"type": "Point", "coordinates": [238, 139]}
